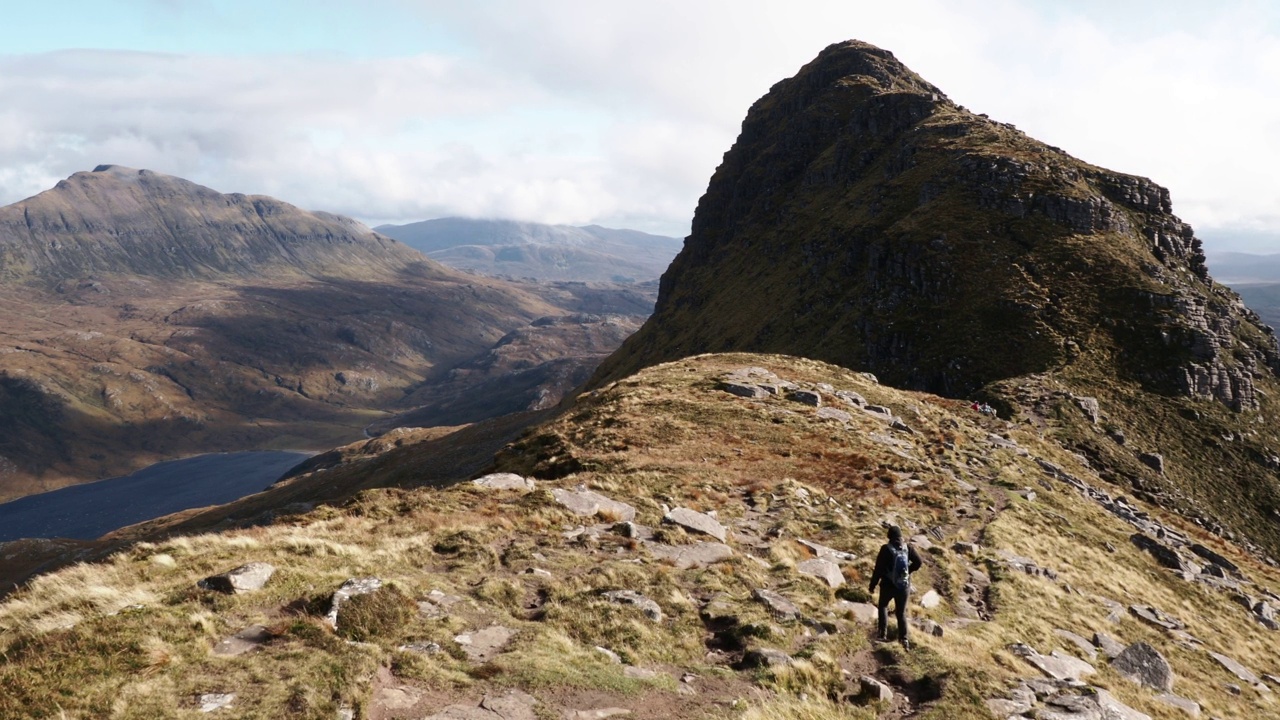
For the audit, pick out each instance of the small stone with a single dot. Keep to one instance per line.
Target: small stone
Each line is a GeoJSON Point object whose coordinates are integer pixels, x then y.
{"type": "Point", "coordinates": [611, 655]}
{"type": "Point", "coordinates": [538, 572]}
{"type": "Point", "coordinates": [596, 714]}
{"type": "Point", "coordinates": [822, 569]}
{"type": "Point", "coordinates": [212, 702]}
{"type": "Point", "coordinates": [931, 628]}
{"type": "Point", "coordinates": [634, 531]}
{"type": "Point", "coordinates": [637, 673]}
{"type": "Point", "coordinates": [422, 648]}
{"type": "Point", "coordinates": [965, 548]}
{"type": "Point", "coordinates": [1155, 461]}
{"type": "Point", "coordinates": [696, 521]}
{"type": "Point", "coordinates": [782, 608]}
{"type": "Point", "coordinates": [874, 691]}
{"type": "Point", "coordinates": [504, 481]}
{"type": "Point", "coordinates": [766, 657]}
{"type": "Point", "coordinates": [243, 579]}
{"type": "Point", "coordinates": [827, 553]}
{"type": "Point", "coordinates": [930, 600]}
{"type": "Point", "coordinates": [650, 608]}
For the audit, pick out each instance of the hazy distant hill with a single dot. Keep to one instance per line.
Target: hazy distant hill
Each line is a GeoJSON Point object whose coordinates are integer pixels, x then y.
{"type": "Point", "coordinates": [1255, 277]}
{"type": "Point", "coordinates": [534, 250]}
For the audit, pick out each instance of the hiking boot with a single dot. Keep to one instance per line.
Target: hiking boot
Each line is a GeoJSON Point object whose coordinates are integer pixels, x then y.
{"type": "Point", "coordinates": [882, 637]}
{"type": "Point", "coordinates": [906, 644]}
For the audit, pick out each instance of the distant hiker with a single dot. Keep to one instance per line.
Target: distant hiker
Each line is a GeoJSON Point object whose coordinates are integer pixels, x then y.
{"type": "Point", "coordinates": [976, 407]}
{"type": "Point", "coordinates": [894, 565]}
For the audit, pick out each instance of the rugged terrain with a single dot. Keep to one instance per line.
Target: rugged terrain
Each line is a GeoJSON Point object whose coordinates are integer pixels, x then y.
{"type": "Point", "coordinates": [543, 252]}
{"type": "Point", "coordinates": [148, 317]}
{"type": "Point", "coordinates": [690, 542]}
{"type": "Point", "coordinates": [865, 219]}
{"type": "Point", "coordinates": [1255, 277]}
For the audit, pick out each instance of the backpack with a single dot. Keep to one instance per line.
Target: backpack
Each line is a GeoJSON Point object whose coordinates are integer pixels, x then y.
{"type": "Point", "coordinates": [900, 569]}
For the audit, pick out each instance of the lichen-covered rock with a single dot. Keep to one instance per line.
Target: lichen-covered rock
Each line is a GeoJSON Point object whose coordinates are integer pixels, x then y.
{"type": "Point", "coordinates": [1144, 665]}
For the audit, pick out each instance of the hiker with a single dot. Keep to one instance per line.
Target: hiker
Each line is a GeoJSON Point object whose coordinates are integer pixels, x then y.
{"type": "Point", "coordinates": [894, 565]}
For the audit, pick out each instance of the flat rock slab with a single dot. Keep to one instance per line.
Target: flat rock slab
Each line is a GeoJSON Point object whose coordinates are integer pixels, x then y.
{"type": "Point", "coordinates": [1153, 616]}
{"type": "Point", "coordinates": [696, 522]}
{"type": "Point", "coordinates": [650, 608]}
{"type": "Point", "coordinates": [248, 639]}
{"type": "Point", "coordinates": [400, 697]}
{"type": "Point", "coordinates": [1108, 645]}
{"type": "Point", "coordinates": [483, 645]}
{"type": "Point", "coordinates": [698, 555]}
{"type": "Point", "coordinates": [348, 590]}
{"type": "Point", "coordinates": [596, 714]}
{"type": "Point", "coordinates": [1145, 665]}
{"type": "Point", "coordinates": [830, 413]}
{"type": "Point", "coordinates": [782, 608]}
{"type": "Point", "coordinates": [1189, 707]}
{"type": "Point", "coordinates": [213, 702]}
{"type": "Point", "coordinates": [822, 569]}
{"type": "Point", "coordinates": [1083, 645]}
{"type": "Point", "coordinates": [743, 389]}
{"type": "Point", "coordinates": [243, 579]}
{"type": "Point", "coordinates": [1236, 668]}
{"type": "Point", "coordinates": [586, 502]}
{"type": "Point", "coordinates": [504, 481]}
{"type": "Point", "coordinates": [511, 705]}
{"type": "Point", "coordinates": [1057, 665]}
{"type": "Point", "coordinates": [638, 673]}
{"type": "Point", "coordinates": [828, 553]}
{"type": "Point", "coordinates": [807, 397]}
{"type": "Point", "coordinates": [864, 613]}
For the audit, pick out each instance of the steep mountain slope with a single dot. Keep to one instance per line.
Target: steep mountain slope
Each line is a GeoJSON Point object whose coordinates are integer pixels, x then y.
{"type": "Point", "coordinates": [551, 601]}
{"type": "Point", "coordinates": [148, 317]}
{"type": "Point", "coordinates": [865, 219]}
{"type": "Point", "coordinates": [546, 252]}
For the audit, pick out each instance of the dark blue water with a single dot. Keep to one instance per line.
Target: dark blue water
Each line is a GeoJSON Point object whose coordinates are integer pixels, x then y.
{"type": "Point", "coordinates": [87, 511]}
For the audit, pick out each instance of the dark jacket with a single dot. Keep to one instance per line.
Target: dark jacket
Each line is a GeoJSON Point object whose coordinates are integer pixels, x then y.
{"type": "Point", "coordinates": [884, 564]}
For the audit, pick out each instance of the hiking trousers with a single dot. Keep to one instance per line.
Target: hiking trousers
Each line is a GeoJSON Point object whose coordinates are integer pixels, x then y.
{"type": "Point", "coordinates": [899, 597]}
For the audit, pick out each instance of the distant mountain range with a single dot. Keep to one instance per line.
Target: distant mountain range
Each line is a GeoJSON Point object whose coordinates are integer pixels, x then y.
{"type": "Point", "coordinates": [148, 317]}
{"type": "Point", "coordinates": [544, 252]}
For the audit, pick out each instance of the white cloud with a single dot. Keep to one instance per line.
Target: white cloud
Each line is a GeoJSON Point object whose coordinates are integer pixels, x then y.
{"type": "Point", "coordinates": [618, 112]}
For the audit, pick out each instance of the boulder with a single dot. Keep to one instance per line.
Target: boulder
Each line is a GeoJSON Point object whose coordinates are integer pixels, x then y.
{"type": "Point", "coordinates": [504, 481]}
{"type": "Point", "coordinates": [1144, 665]}
{"type": "Point", "coordinates": [1155, 461]}
{"type": "Point", "coordinates": [864, 613]}
{"type": "Point", "coordinates": [745, 390]}
{"type": "Point", "coordinates": [830, 413]}
{"type": "Point", "coordinates": [930, 600]}
{"type": "Point", "coordinates": [1109, 646]}
{"type": "Point", "coordinates": [1056, 665]}
{"type": "Point", "coordinates": [696, 522]}
{"type": "Point", "coordinates": [1088, 406]}
{"type": "Point", "coordinates": [1165, 555]}
{"type": "Point", "coordinates": [243, 579]}
{"type": "Point", "coordinates": [822, 569]}
{"type": "Point", "coordinates": [650, 608]}
{"type": "Point", "coordinates": [808, 397]}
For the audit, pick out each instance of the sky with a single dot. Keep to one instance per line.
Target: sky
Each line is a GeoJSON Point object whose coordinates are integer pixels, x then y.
{"type": "Point", "coordinates": [617, 112]}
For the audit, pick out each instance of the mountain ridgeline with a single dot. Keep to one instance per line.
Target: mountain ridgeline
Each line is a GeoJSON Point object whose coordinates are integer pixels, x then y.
{"type": "Point", "coordinates": [139, 222]}
{"type": "Point", "coordinates": [534, 250]}
{"type": "Point", "coordinates": [865, 219]}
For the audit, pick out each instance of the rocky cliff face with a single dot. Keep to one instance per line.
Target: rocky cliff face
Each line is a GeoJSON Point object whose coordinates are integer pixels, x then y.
{"type": "Point", "coordinates": [121, 220]}
{"type": "Point", "coordinates": [864, 218]}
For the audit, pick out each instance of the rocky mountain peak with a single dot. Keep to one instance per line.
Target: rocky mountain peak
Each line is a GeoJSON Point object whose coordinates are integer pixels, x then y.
{"type": "Point", "coordinates": [899, 232]}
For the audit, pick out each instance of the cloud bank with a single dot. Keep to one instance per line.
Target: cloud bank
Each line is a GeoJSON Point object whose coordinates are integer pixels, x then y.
{"type": "Point", "coordinates": [618, 113]}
